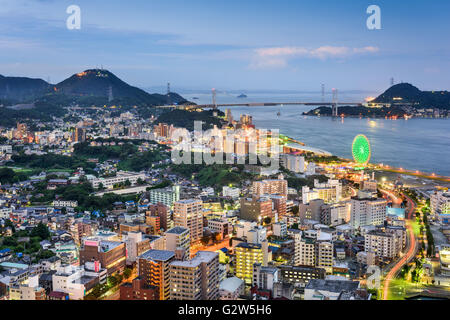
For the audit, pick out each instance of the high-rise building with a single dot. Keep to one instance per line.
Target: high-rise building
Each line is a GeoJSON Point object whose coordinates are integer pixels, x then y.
{"type": "Point", "coordinates": [178, 238]}
{"type": "Point", "coordinates": [324, 255]}
{"type": "Point", "coordinates": [385, 242]}
{"type": "Point", "coordinates": [264, 278]}
{"type": "Point", "coordinates": [79, 135]}
{"type": "Point", "coordinates": [196, 279]}
{"type": "Point", "coordinates": [329, 192]}
{"type": "Point", "coordinates": [256, 209]}
{"type": "Point", "coordinates": [247, 254]}
{"type": "Point", "coordinates": [294, 163]}
{"type": "Point", "coordinates": [154, 269]}
{"type": "Point", "coordinates": [161, 211]}
{"type": "Point", "coordinates": [440, 206]}
{"type": "Point", "coordinates": [165, 196]}
{"type": "Point", "coordinates": [304, 251]}
{"type": "Point", "coordinates": [367, 211]}
{"type": "Point", "coordinates": [279, 204]}
{"type": "Point", "coordinates": [270, 186]}
{"type": "Point", "coordinates": [189, 214]}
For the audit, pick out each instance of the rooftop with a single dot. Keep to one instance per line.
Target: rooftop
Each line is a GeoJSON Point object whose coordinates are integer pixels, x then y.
{"type": "Point", "coordinates": [157, 255]}
{"type": "Point", "coordinates": [231, 284]}
{"type": "Point", "coordinates": [332, 285]}
{"type": "Point", "coordinates": [201, 257]}
{"type": "Point", "coordinates": [177, 230]}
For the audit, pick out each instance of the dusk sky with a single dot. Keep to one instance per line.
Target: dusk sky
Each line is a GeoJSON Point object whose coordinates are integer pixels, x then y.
{"type": "Point", "coordinates": [260, 44]}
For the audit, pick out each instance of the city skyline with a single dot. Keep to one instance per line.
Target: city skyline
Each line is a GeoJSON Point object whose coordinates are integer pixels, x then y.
{"type": "Point", "coordinates": [241, 46]}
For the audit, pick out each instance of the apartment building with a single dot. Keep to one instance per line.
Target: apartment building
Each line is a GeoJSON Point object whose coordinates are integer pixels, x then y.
{"type": "Point", "coordinates": [367, 211]}
{"type": "Point", "coordinates": [189, 214]}
{"type": "Point", "coordinates": [196, 279]}
{"type": "Point", "coordinates": [178, 238]}
{"type": "Point", "coordinates": [154, 269]}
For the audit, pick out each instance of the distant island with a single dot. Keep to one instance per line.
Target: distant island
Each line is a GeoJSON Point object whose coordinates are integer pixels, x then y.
{"type": "Point", "coordinates": [241, 96]}
{"type": "Point", "coordinates": [349, 111]}
{"type": "Point", "coordinates": [401, 100]}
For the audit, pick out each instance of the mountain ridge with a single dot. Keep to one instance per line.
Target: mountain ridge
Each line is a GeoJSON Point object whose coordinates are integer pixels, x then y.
{"type": "Point", "coordinates": [406, 93]}
{"type": "Point", "coordinates": [92, 86]}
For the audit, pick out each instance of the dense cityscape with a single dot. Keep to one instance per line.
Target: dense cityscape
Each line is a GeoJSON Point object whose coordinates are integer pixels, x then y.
{"type": "Point", "coordinates": [232, 159]}
{"type": "Point", "coordinates": [94, 208]}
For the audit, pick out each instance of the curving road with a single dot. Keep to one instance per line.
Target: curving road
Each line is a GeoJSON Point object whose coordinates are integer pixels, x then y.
{"type": "Point", "coordinates": [410, 249]}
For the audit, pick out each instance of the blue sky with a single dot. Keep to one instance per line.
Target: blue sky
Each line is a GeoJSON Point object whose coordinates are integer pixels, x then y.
{"type": "Point", "coordinates": [295, 45]}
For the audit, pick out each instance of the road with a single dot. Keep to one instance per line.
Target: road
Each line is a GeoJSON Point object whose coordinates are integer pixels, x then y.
{"type": "Point", "coordinates": [410, 250]}
{"type": "Point", "coordinates": [222, 244]}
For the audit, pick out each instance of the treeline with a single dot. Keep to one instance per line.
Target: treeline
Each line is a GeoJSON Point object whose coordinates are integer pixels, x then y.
{"type": "Point", "coordinates": [216, 175]}
{"type": "Point", "coordinates": [83, 193]}
{"type": "Point", "coordinates": [51, 161]}
{"type": "Point", "coordinates": [185, 119]}
{"type": "Point", "coordinates": [9, 176]}
{"type": "Point", "coordinates": [103, 153]}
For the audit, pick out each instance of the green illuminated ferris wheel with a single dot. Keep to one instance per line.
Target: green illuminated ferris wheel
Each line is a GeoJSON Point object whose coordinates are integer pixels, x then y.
{"type": "Point", "coordinates": [361, 150]}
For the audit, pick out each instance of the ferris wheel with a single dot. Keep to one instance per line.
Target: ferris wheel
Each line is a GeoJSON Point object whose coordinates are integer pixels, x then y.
{"type": "Point", "coordinates": [361, 150]}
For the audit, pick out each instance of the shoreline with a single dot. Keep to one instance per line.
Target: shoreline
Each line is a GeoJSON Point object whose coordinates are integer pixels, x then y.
{"type": "Point", "coordinates": [378, 166]}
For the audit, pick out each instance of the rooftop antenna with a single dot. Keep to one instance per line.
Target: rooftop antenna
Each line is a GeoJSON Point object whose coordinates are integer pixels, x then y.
{"type": "Point", "coordinates": [334, 108]}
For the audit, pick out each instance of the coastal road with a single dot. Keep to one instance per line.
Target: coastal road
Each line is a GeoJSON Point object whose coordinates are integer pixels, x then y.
{"type": "Point", "coordinates": [411, 249]}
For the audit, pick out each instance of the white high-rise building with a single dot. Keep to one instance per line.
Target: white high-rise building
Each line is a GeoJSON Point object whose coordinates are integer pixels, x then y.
{"type": "Point", "coordinates": [440, 204]}
{"type": "Point", "coordinates": [233, 193]}
{"type": "Point", "coordinates": [293, 163]}
{"type": "Point", "coordinates": [329, 192]}
{"type": "Point", "coordinates": [366, 212]}
{"type": "Point", "coordinates": [178, 238]}
{"type": "Point", "coordinates": [304, 251]}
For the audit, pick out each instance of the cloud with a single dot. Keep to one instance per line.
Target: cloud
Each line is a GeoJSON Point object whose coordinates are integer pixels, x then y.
{"type": "Point", "coordinates": [278, 57]}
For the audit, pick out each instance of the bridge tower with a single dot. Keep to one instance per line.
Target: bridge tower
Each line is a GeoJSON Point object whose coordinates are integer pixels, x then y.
{"type": "Point", "coordinates": [214, 102]}
{"type": "Point", "coordinates": [334, 107]}
{"type": "Point", "coordinates": [323, 93]}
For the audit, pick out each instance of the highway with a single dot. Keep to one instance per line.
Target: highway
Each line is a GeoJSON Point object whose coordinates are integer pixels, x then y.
{"type": "Point", "coordinates": [411, 249]}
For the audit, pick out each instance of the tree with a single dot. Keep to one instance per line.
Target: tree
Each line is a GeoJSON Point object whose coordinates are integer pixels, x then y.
{"type": "Point", "coordinates": [295, 210]}
{"type": "Point", "coordinates": [8, 223]}
{"type": "Point", "coordinates": [267, 220]}
{"type": "Point", "coordinates": [41, 231]}
{"type": "Point", "coordinates": [205, 239]}
{"type": "Point", "coordinates": [127, 273]}
{"type": "Point", "coordinates": [45, 255]}
{"type": "Point", "coordinates": [127, 183]}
